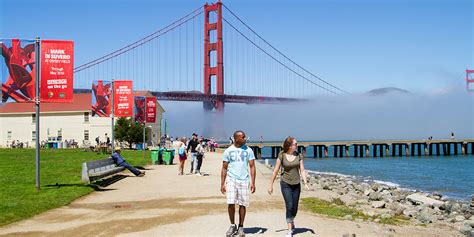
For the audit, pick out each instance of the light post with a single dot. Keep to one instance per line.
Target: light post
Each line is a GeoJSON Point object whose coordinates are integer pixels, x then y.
{"type": "Point", "coordinates": [166, 134]}
{"type": "Point", "coordinates": [144, 139]}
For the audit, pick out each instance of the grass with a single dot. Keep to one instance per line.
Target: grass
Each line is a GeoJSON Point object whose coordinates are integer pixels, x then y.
{"type": "Point", "coordinates": [337, 209]}
{"type": "Point", "coordinates": [60, 180]}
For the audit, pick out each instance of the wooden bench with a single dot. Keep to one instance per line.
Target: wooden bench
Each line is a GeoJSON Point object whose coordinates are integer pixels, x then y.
{"type": "Point", "coordinates": [97, 169]}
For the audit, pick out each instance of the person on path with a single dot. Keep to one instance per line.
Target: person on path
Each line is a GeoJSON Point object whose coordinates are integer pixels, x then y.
{"type": "Point", "coordinates": [193, 143]}
{"type": "Point", "coordinates": [182, 155]}
{"type": "Point", "coordinates": [292, 171]}
{"type": "Point", "coordinates": [235, 183]}
{"type": "Point", "coordinates": [200, 155]}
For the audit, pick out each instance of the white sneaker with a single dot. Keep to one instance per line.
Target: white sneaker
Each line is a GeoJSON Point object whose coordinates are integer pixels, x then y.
{"type": "Point", "coordinates": [240, 232]}
{"type": "Point", "coordinates": [232, 231]}
{"type": "Point", "coordinates": [290, 233]}
{"type": "Point", "coordinates": [198, 174]}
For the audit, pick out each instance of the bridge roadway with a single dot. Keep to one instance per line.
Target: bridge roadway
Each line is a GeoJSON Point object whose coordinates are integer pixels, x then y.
{"type": "Point", "coordinates": [198, 96]}
{"type": "Point", "coordinates": [380, 148]}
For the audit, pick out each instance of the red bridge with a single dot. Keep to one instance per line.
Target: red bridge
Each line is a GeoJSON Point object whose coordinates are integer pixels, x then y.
{"type": "Point", "coordinates": [185, 61]}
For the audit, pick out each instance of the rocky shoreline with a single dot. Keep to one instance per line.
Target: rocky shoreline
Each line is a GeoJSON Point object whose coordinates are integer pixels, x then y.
{"type": "Point", "coordinates": [384, 201]}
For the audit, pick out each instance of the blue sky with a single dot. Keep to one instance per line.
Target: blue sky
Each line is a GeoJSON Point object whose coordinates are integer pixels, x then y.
{"type": "Point", "coordinates": [419, 45]}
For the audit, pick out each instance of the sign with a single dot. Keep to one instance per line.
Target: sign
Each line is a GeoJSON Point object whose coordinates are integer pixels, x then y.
{"type": "Point", "coordinates": [123, 98]}
{"type": "Point", "coordinates": [57, 70]}
{"type": "Point", "coordinates": [139, 109]}
{"type": "Point", "coordinates": [18, 70]}
{"type": "Point", "coordinates": [150, 109]}
{"type": "Point", "coordinates": [101, 98]}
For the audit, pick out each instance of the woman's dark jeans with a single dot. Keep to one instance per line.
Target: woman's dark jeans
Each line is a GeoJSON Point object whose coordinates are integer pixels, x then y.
{"type": "Point", "coordinates": [199, 161]}
{"type": "Point", "coordinates": [291, 194]}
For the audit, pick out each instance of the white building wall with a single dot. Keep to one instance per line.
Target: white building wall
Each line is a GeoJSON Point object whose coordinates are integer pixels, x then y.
{"type": "Point", "coordinates": [71, 124]}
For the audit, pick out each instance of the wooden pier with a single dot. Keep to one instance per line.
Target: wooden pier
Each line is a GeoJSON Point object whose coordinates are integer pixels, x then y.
{"type": "Point", "coordinates": [375, 148]}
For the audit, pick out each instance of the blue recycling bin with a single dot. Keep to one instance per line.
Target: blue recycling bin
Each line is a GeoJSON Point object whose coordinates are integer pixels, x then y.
{"type": "Point", "coordinates": [139, 146]}
{"type": "Point", "coordinates": [55, 145]}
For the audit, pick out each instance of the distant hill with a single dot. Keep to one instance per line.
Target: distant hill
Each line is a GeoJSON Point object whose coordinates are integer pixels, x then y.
{"type": "Point", "coordinates": [386, 90]}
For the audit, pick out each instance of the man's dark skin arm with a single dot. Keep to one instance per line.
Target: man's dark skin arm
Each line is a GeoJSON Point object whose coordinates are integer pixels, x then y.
{"type": "Point", "coordinates": [223, 176]}
{"type": "Point", "coordinates": [253, 173]}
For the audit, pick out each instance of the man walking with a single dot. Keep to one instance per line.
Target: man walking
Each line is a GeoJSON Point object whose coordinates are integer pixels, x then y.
{"type": "Point", "coordinates": [192, 145]}
{"type": "Point", "coordinates": [236, 162]}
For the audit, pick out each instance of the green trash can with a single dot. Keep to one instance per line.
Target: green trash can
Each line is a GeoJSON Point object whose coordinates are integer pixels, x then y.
{"type": "Point", "coordinates": [154, 156]}
{"type": "Point", "coordinates": [168, 156]}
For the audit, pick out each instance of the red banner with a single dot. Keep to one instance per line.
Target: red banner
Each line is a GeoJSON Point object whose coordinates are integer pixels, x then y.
{"type": "Point", "coordinates": [101, 94]}
{"type": "Point", "coordinates": [57, 69]}
{"type": "Point", "coordinates": [150, 109]}
{"type": "Point", "coordinates": [123, 98]}
{"type": "Point", "coordinates": [17, 70]}
{"type": "Point", "coordinates": [139, 109]}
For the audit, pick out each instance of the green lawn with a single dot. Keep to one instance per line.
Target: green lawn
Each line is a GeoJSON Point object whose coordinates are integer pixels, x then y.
{"type": "Point", "coordinates": [60, 180]}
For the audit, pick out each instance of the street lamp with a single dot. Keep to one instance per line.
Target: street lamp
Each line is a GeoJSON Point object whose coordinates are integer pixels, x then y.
{"type": "Point", "coordinates": [166, 135]}
{"type": "Point", "coordinates": [143, 144]}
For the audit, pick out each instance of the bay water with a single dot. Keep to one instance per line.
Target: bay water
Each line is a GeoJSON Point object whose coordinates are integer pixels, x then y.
{"type": "Point", "coordinates": [452, 176]}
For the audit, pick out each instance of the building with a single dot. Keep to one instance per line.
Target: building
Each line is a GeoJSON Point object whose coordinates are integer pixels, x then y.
{"type": "Point", "coordinates": [61, 122]}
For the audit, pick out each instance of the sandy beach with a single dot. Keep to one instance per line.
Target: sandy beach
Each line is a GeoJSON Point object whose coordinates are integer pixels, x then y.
{"type": "Point", "coordinates": [165, 204]}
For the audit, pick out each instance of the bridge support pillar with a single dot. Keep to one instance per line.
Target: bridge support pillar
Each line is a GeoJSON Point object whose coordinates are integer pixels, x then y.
{"type": "Point", "coordinates": [218, 70]}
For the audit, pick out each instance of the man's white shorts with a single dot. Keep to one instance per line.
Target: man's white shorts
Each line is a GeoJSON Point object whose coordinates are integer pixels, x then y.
{"type": "Point", "coordinates": [237, 192]}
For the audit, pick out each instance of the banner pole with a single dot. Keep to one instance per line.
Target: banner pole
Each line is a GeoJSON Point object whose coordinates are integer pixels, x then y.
{"type": "Point", "coordinates": [37, 108]}
{"type": "Point", "coordinates": [112, 116]}
{"type": "Point", "coordinates": [144, 126]}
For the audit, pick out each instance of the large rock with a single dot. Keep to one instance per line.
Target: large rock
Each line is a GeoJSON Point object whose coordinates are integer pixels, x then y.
{"type": "Point", "coordinates": [420, 199]}
{"type": "Point", "coordinates": [347, 217]}
{"type": "Point", "coordinates": [362, 202]}
{"type": "Point", "coordinates": [459, 218]}
{"type": "Point", "coordinates": [375, 187]}
{"type": "Point", "coordinates": [437, 195]}
{"type": "Point", "coordinates": [464, 229]}
{"type": "Point", "coordinates": [425, 217]}
{"type": "Point", "coordinates": [378, 204]}
{"type": "Point", "coordinates": [455, 207]}
{"type": "Point", "coordinates": [469, 223]}
{"type": "Point", "coordinates": [409, 213]}
{"type": "Point", "coordinates": [375, 196]}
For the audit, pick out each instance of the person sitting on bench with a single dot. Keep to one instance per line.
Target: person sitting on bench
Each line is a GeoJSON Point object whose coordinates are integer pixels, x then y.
{"type": "Point", "coordinates": [119, 160]}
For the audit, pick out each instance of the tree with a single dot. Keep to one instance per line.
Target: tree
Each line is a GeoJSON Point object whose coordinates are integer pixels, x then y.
{"type": "Point", "coordinates": [128, 131]}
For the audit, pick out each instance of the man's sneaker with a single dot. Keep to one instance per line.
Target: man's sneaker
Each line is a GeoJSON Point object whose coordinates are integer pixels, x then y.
{"type": "Point", "coordinates": [241, 232]}
{"type": "Point", "coordinates": [290, 233]}
{"type": "Point", "coordinates": [231, 231]}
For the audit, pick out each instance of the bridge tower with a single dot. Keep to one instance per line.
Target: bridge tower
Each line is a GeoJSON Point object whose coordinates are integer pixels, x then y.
{"type": "Point", "coordinates": [218, 70]}
{"type": "Point", "coordinates": [469, 80]}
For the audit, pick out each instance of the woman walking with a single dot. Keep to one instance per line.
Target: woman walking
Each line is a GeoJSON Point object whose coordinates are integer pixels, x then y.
{"type": "Point", "coordinates": [200, 154]}
{"type": "Point", "coordinates": [182, 155]}
{"type": "Point", "coordinates": [292, 169]}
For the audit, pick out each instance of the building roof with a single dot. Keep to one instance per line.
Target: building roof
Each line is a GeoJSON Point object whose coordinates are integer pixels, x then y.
{"type": "Point", "coordinates": [82, 103]}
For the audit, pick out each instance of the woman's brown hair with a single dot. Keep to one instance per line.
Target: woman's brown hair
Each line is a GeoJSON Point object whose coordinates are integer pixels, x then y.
{"type": "Point", "coordinates": [287, 144]}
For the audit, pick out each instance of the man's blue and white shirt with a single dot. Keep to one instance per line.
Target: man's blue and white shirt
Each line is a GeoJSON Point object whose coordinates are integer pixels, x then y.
{"type": "Point", "coordinates": [238, 159]}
